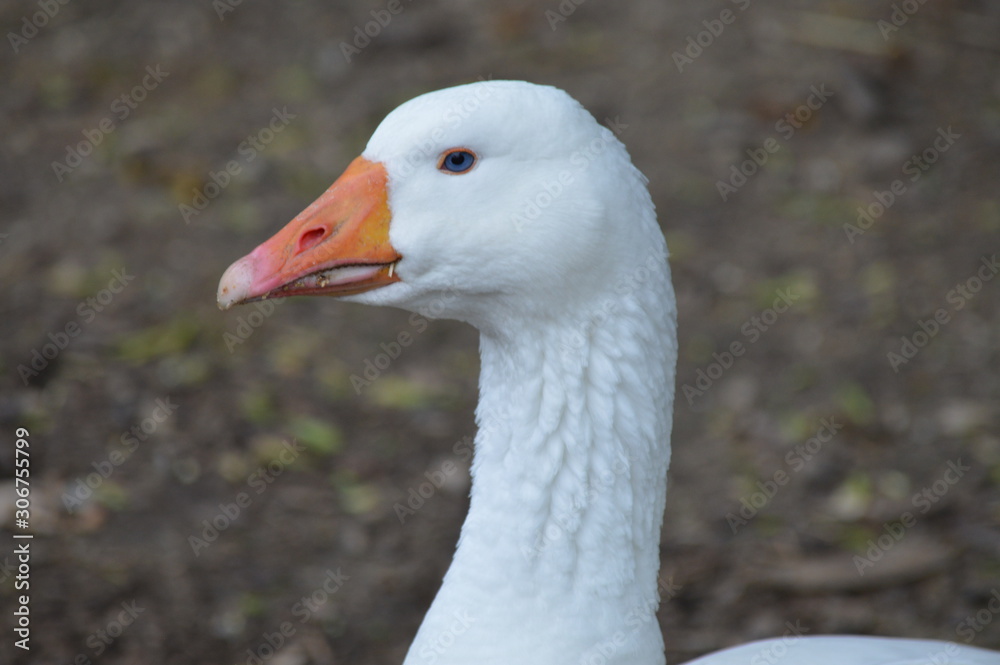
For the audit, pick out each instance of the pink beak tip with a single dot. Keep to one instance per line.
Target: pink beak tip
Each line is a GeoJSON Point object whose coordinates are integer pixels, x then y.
{"type": "Point", "coordinates": [236, 283]}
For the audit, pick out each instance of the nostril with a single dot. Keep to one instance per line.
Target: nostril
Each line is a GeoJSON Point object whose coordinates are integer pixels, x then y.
{"type": "Point", "coordinates": [310, 238]}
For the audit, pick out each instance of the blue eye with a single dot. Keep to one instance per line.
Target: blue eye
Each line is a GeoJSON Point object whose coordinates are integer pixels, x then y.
{"type": "Point", "coordinates": [457, 161]}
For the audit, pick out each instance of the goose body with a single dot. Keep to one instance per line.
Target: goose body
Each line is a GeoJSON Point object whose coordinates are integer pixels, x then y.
{"type": "Point", "coordinates": [506, 205]}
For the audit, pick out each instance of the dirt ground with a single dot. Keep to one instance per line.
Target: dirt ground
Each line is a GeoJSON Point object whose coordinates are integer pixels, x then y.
{"type": "Point", "coordinates": [839, 472]}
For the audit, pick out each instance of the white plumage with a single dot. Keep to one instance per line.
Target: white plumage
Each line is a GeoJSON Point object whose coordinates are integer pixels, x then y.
{"type": "Point", "coordinates": [549, 245]}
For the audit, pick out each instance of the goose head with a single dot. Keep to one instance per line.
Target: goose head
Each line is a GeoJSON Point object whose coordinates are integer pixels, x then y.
{"type": "Point", "coordinates": [506, 205]}
{"type": "Point", "coordinates": [494, 203]}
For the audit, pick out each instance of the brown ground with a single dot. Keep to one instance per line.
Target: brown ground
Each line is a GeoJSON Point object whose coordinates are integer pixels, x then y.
{"type": "Point", "coordinates": [331, 509]}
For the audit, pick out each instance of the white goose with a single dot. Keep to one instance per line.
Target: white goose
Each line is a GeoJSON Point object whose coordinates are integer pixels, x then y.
{"type": "Point", "coordinates": [504, 204]}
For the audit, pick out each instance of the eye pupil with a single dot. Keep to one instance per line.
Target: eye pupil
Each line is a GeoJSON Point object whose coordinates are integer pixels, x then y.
{"type": "Point", "coordinates": [458, 161]}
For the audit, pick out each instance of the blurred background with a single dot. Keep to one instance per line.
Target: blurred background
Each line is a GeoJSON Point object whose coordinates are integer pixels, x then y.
{"type": "Point", "coordinates": [825, 173]}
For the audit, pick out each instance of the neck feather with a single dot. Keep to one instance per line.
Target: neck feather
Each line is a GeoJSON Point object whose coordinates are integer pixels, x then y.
{"type": "Point", "coordinates": [559, 554]}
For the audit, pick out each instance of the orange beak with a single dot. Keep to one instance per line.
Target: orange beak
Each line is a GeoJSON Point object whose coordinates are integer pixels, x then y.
{"type": "Point", "coordinates": [337, 246]}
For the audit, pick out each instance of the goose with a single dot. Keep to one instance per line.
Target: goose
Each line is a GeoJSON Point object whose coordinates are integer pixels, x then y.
{"type": "Point", "coordinates": [504, 204]}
